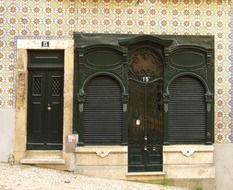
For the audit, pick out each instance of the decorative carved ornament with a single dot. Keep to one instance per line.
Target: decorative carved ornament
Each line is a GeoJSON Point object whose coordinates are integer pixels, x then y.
{"type": "Point", "coordinates": [145, 62]}
{"type": "Point", "coordinates": [188, 152]}
{"type": "Point", "coordinates": [102, 153]}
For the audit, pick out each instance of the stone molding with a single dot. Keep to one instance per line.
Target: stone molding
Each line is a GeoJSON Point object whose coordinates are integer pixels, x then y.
{"type": "Point", "coordinates": [102, 151]}
{"type": "Point", "coordinates": [188, 150]}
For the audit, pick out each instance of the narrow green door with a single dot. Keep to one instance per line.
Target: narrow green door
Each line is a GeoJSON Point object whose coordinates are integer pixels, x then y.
{"type": "Point", "coordinates": [45, 108]}
{"type": "Point", "coordinates": [145, 133]}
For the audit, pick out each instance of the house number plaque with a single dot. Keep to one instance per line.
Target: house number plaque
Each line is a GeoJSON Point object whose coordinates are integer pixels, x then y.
{"type": "Point", "coordinates": [45, 44]}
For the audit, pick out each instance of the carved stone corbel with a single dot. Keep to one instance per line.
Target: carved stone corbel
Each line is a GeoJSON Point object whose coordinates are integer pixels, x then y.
{"type": "Point", "coordinates": [209, 99]}
{"type": "Point", "coordinates": [166, 98]}
{"type": "Point", "coordinates": [81, 99]}
{"type": "Point", "coordinates": [102, 153]}
{"type": "Point", "coordinates": [125, 101]}
{"type": "Point", "coordinates": [166, 56]}
{"type": "Point", "coordinates": [125, 57]}
{"type": "Point", "coordinates": [187, 152]}
{"type": "Point", "coordinates": [209, 58]}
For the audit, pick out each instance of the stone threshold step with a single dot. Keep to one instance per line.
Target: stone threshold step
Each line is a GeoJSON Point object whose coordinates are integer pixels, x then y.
{"type": "Point", "coordinates": [42, 161]}
{"type": "Point", "coordinates": [146, 174]}
{"type": "Point", "coordinates": [43, 153]}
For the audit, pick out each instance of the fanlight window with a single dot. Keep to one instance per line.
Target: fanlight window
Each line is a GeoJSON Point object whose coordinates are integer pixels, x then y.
{"type": "Point", "coordinates": [145, 63]}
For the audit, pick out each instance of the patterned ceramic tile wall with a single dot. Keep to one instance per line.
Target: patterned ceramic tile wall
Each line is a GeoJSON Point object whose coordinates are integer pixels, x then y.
{"type": "Point", "coordinates": [59, 18]}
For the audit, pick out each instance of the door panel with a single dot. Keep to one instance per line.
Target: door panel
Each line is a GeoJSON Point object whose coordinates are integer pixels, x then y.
{"type": "Point", "coordinates": [36, 117]}
{"type": "Point", "coordinates": [36, 98]}
{"type": "Point", "coordinates": [45, 109]}
{"type": "Point", "coordinates": [54, 115]}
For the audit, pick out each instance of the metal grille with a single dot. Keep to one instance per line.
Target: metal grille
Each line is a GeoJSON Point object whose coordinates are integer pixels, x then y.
{"type": "Point", "coordinates": [145, 63]}
{"type": "Point", "coordinates": [103, 119]}
{"type": "Point", "coordinates": [36, 85]}
{"type": "Point", "coordinates": [187, 111]}
{"type": "Point", "coordinates": [56, 86]}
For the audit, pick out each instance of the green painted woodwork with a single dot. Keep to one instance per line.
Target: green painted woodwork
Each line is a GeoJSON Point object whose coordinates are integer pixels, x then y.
{"type": "Point", "coordinates": [180, 58]}
{"type": "Point", "coordinates": [187, 59]}
{"type": "Point", "coordinates": [145, 110]}
{"type": "Point", "coordinates": [145, 126]}
{"type": "Point", "coordinates": [187, 111]}
{"type": "Point", "coordinates": [45, 59]}
{"type": "Point", "coordinates": [98, 57]}
{"type": "Point", "coordinates": [92, 62]}
{"type": "Point", "coordinates": [102, 111]}
{"type": "Point", "coordinates": [45, 102]}
{"type": "Point", "coordinates": [203, 72]}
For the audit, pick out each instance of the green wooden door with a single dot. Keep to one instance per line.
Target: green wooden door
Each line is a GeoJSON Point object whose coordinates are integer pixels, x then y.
{"type": "Point", "coordinates": [45, 109]}
{"type": "Point", "coordinates": [145, 126]}
{"type": "Point", "coordinates": [145, 134]}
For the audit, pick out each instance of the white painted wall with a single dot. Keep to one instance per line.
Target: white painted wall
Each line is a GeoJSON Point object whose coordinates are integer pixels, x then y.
{"type": "Point", "coordinates": [7, 133]}
{"type": "Point", "coordinates": [224, 166]}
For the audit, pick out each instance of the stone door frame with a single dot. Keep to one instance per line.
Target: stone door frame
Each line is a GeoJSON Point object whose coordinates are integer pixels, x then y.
{"type": "Point", "coordinates": [22, 87]}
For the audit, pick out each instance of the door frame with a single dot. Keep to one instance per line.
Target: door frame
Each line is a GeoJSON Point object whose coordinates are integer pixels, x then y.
{"type": "Point", "coordinates": [23, 45]}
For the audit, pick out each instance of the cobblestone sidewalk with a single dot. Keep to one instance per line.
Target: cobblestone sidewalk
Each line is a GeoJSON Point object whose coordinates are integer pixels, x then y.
{"type": "Point", "coordinates": [21, 177]}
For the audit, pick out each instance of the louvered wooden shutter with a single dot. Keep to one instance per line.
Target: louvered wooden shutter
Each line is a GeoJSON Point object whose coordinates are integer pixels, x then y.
{"type": "Point", "coordinates": [187, 111]}
{"type": "Point", "coordinates": [102, 119]}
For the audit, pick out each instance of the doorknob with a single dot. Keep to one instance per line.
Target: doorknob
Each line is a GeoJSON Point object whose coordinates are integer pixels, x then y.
{"type": "Point", "coordinates": [49, 107]}
{"type": "Point", "coordinates": [146, 149]}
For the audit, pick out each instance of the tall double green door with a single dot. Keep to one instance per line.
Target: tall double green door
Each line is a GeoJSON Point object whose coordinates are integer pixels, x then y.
{"type": "Point", "coordinates": [145, 111]}
{"type": "Point", "coordinates": [45, 109]}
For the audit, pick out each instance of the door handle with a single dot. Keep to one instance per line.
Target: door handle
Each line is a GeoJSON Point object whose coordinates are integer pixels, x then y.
{"type": "Point", "coordinates": [49, 107]}
{"type": "Point", "coordinates": [146, 149]}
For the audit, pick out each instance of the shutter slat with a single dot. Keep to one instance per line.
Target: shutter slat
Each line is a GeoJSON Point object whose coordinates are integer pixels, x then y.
{"type": "Point", "coordinates": [102, 119]}
{"type": "Point", "coordinates": [187, 111]}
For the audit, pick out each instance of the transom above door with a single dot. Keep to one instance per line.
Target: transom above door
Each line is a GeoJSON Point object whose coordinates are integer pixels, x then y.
{"type": "Point", "coordinates": [45, 100]}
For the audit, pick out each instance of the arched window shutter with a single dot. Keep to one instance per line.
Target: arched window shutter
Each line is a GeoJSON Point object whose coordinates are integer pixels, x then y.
{"type": "Point", "coordinates": [187, 111]}
{"type": "Point", "coordinates": [102, 118]}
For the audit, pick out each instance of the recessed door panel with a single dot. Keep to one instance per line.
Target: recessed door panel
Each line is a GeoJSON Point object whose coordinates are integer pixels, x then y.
{"type": "Point", "coordinates": [54, 115]}
{"type": "Point", "coordinates": [36, 117]}
{"type": "Point", "coordinates": [36, 100]}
